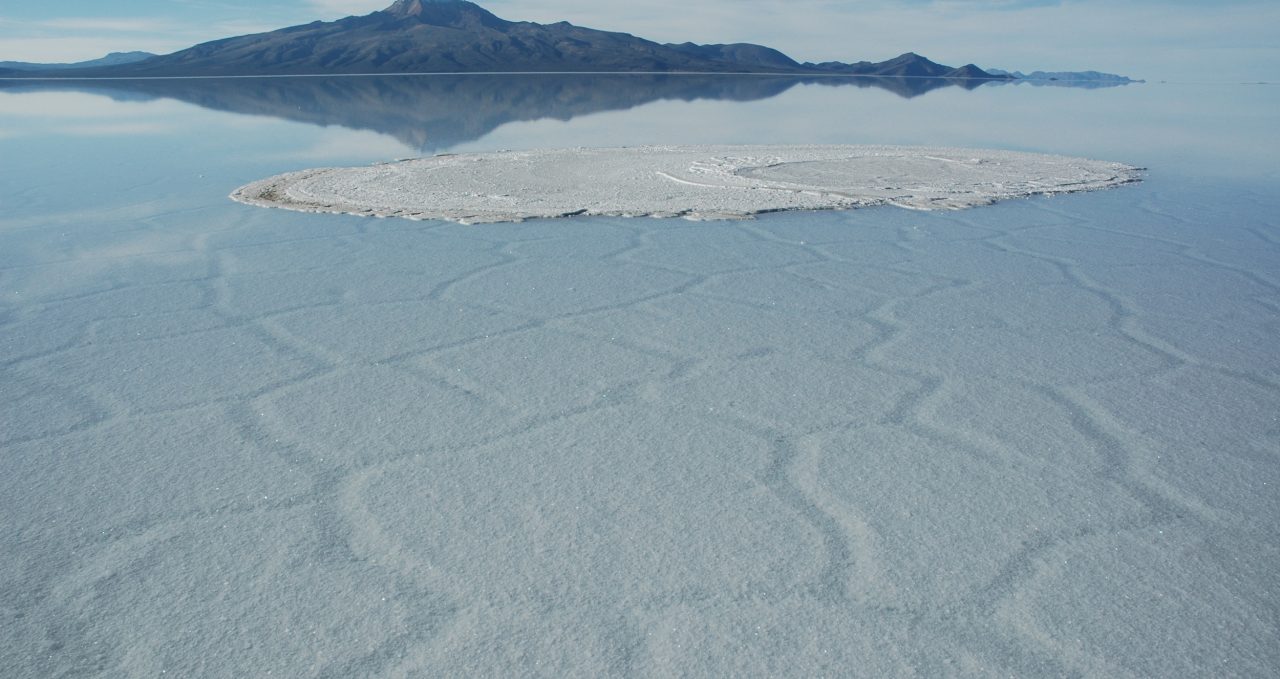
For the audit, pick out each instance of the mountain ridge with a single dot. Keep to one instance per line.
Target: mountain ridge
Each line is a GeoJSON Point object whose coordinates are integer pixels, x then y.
{"type": "Point", "coordinates": [111, 59]}
{"type": "Point", "coordinates": [459, 36]}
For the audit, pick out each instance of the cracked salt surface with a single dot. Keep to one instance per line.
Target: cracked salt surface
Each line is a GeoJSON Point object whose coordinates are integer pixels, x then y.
{"type": "Point", "coordinates": [694, 182]}
{"type": "Point", "coordinates": [1035, 440]}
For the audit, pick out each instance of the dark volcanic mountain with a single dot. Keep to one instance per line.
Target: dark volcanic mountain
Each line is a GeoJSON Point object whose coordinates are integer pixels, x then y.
{"type": "Point", "coordinates": [455, 36]}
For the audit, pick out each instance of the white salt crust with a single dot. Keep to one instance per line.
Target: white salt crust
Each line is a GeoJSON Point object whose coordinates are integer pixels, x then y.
{"type": "Point", "coordinates": [694, 182]}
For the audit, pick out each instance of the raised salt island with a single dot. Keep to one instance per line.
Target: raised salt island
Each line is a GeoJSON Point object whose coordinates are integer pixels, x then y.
{"type": "Point", "coordinates": [694, 182]}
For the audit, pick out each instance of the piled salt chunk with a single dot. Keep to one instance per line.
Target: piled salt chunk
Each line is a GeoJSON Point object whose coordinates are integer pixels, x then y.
{"type": "Point", "coordinates": [694, 182]}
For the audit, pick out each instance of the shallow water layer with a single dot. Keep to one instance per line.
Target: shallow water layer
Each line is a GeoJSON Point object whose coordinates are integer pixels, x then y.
{"type": "Point", "coordinates": [1033, 439]}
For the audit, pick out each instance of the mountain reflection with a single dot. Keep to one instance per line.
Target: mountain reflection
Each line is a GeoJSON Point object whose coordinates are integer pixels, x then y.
{"type": "Point", "coordinates": [436, 112]}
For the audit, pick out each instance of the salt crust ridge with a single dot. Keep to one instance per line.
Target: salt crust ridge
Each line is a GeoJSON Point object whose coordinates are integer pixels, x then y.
{"type": "Point", "coordinates": [693, 182]}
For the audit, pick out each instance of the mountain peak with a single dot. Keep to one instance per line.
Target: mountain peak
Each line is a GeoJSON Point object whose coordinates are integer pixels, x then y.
{"type": "Point", "coordinates": [909, 57]}
{"type": "Point", "coordinates": [452, 13]}
{"type": "Point", "coordinates": [408, 8]}
{"type": "Point", "coordinates": [404, 8]}
{"type": "Point", "coordinates": [971, 71]}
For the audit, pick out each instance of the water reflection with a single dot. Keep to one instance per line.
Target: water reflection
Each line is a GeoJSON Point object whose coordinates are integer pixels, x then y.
{"type": "Point", "coordinates": [436, 112]}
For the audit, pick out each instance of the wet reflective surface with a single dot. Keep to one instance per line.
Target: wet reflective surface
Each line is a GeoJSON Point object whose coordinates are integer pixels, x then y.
{"type": "Point", "coordinates": [1034, 439]}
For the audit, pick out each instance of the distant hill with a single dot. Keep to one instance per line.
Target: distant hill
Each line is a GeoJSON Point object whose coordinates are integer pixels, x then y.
{"type": "Point", "coordinates": [456, 36]}
{"type": "Point", "coordinates": [112, 59]}
{"type": "Point", "coordinates": [1070, 78]}
{"type": "Point", "coordinates": [909, 65]}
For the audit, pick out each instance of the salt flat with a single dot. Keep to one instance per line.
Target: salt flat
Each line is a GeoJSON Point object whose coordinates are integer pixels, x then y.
{"type": "Point", "coordinates": [871, 444]}
{"type": "Point", "coordinates": [695, 182]}
{"type": "Point", "coordinates": [1035, 439]}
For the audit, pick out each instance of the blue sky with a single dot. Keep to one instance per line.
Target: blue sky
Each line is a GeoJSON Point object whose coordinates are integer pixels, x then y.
{"type": "Point", "coordinates": [1228, 40]}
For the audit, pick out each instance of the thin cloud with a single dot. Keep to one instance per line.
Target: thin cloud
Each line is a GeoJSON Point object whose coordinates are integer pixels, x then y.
{"type": "Point", "coordinates": [117, 129]}
{"type": "Point", "coordinates": [342, 8]}
{"type": "Point", "coordinates": [71, 49]}
{"type": "Point", "coordinates": [227, 29]}
{"type": "Point", "coordinates": [1142, 38]}
{"type": "Point", "coordinates": [1233, 39]}
{"type": "Point", "coordinates": [113, 25]}
{"type": "Point", "coordinates": [63, 106]}
{"type": "Point", "coordinates": [336, 143]}
{"type": "Point", "coordinates": [72, 39]}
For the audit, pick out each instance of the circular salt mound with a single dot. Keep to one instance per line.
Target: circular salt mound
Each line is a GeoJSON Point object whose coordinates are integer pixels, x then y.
{"type": "Point", "coordinates": [695, 182]}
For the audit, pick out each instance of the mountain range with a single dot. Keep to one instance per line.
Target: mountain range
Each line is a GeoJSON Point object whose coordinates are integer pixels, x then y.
{"type": "Point", "coordinates": [457, 36]}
